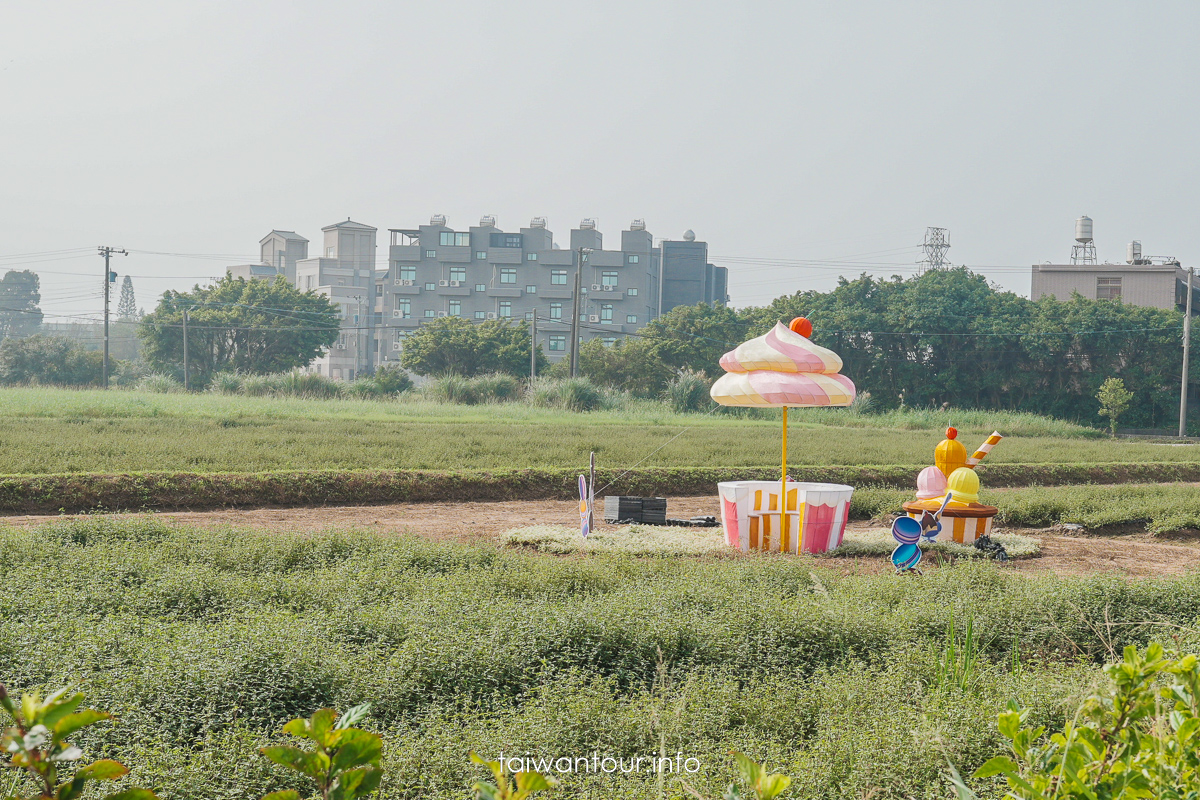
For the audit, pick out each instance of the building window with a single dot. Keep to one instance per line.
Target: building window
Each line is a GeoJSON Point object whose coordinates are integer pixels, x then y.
{"type": "Point", "coordinates": [1108, 288]}
{"type": "Point", "coordinates": [506, 309]}
{"type": "Point", "coordinates": [329, 252]}
{"type": "Point", "coordinates": [631, 319]}
{"type": "Point", "coordinates": [506, 240]}
{"type": "Point", "coordinates": [631, 292]}
{"type": "Point", "coordinates": [508, 275]}
{"type": "Point", "coordinates": [608, 341]}
{"type": "Point", "coordinates": [431, 253]}
{"type": "Point", "coordinates": [558, 341]}
{"type": "Point", "coordinates": [481, 255]}
{"type": "Point", "coordinates": [480, 315]}
{"type": "Point", "coordinates": [404, 306]}
{"type": "Point", "coordinates": [528, 315]}
{"type": "Point", "coordinates": [531, 289]}
{"type": "Point", "coordinates": [556, 311]}
{"type": "Point", "coordinates": [558, 277]}
{"type": "Point", "coordinates": [608, 278]}
{"type": "Point", "coordinates": [458, 274]}
{"type": "Point", "coordinates": [531, 256]}
{"type": "Point", "coordinates": [455, 308]}
{"type": "Point", "coordinates": [606, 314]}
{"type": "Point", "coordinates": [429, 312]}
{"type": "Point", "coordinates": [408, 273]}
{"type": "Point", "coordinates": [481, 287]}
{"type": "Point", "coordinates": [431, 287]}
{"type": "Point", "coordinates": [633, 259]}
{"type": "Point", "coordinates": [452, 239]}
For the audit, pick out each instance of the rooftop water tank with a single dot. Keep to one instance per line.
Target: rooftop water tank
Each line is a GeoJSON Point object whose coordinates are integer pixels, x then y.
{"type": "Point", "coordinates": [1083, 229]}
{"type": "Point", "coordinates": [1133, 252]}
{"type": "Point", "coordinates": [487, 221]}
{"type": "Point", "coordinates": [637, 225]}
{"type": "Point", "coordinates": [437, 219]}
{"type": "Point", "coordinates": [537, 222]}
{"type": "Point", "coordinates": [587, 224]}
{"type": "Point", "coordinates": [689, 235]}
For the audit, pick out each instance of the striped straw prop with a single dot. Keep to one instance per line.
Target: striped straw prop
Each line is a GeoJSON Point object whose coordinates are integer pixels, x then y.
{"type": "Point", "coordinates": [984, 449]}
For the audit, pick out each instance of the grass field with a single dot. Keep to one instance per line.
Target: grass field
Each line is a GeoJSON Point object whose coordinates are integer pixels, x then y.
{"type": "Point", "coordinates": [55, 431]}
{"type": "Point", "coordinates": [203, 642]}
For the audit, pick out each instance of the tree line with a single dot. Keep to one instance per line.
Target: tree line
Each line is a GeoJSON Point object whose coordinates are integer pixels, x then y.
{"type": "Point", "coordinates": [948, 337]}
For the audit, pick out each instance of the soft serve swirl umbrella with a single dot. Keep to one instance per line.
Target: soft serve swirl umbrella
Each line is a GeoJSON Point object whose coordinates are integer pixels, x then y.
{"type": "Point", "coordinates": [783, 369]}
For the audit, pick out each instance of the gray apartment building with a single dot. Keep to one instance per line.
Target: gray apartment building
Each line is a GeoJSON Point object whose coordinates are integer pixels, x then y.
{"type": "Point", "coordinates": [485, 273]}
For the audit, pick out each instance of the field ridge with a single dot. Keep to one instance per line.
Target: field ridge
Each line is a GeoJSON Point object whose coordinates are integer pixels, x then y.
{"type": "Point", "coordinates": [83, 492]}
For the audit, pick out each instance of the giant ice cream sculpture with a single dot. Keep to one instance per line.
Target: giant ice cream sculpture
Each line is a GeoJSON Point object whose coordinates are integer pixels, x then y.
{"type": "Point", "coordinates": [783, 369]}
{"type": "Point", "coordinates": [953, 474]}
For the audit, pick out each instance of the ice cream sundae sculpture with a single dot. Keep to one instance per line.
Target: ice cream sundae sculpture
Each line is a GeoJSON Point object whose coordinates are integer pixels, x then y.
{"type": "Point", "coordinates": [947, 501]}
{"type": "Point", "coordinates": [783, 369]}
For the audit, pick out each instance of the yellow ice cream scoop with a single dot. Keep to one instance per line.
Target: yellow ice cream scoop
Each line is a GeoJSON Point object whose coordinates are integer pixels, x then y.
{"type": "Point", "coordinates": [963, 485]}
{"type": "Point", "coordinates": [950, 454]}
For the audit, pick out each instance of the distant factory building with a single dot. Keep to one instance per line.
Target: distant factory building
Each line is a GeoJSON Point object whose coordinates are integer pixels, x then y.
{"type": "Point", "coordinates": [485, 273]}
{"type": "Point", "coordinates": [1155, 281]}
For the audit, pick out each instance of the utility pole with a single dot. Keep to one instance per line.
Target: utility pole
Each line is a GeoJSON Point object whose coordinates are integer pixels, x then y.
{"type": "Point", "coordinates": [186, 385]}
{"type": "Point", "coordinates": [575, 313]}
{"type": "Point", "coordinates": [533, 347]}
{"type": "Point", "coordinates": [109, 277]}
{"type": "Point", "coordinates": [1187, 342]}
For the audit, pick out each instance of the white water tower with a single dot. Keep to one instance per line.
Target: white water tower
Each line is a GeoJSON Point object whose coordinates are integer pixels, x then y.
{"type": "Point", "coordinates": [1133, 252]}
{"type": "Point", "coordinates": [1085, 251]}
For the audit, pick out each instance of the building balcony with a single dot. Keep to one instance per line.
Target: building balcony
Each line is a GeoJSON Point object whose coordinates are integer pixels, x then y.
{"type": "Point", "coordinates": [404, 252]}
{"type": "Point", "coordinates": [556, 258]}
{"type": "Point", "coordinates": [405, 290]}
{"type": "Point", "coordinates": [504, 255]}
{"type": "Point", "coordinates": [555, 292]}
{"type": "Point", "coordinates": [605, 258]}
{"type": "Point", "coordinates": [454, 291]}
{"type": "Point", "coordinates": [503, 291]}
{"type": "Point", "coordinates": [454, 255]}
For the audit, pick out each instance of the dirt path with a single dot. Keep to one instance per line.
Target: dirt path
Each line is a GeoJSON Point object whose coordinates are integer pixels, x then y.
{"type": "Point", "coordinates": [1138, 555]}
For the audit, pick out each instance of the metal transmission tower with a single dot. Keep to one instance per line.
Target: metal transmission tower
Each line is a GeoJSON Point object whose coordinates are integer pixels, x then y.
{"type": "Point", "coordinates": [937, 242]}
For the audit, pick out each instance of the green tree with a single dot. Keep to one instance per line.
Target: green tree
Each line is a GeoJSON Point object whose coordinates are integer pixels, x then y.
{"type": "Point", "coordinates": [127, 309]}
{"type": "Point", "coordinates": [49, 360]}
{"type": "Point", "coordinates": [1114, 401]}
{"type": "Point", "coordinates": [695, 337]}
{"type": "Point", "coordinates": [19, 299]}
{"type": "Point", "coordinates": [235, 325]}
{"type": "Point", "coordinates": [453, 345]}
{"type": "Point", "coordinates": [632, 365]}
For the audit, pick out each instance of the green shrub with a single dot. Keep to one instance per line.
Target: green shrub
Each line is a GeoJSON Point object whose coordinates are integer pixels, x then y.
{"type": "Point", "coordinates": [1139, 737]}
{"type": "Point", "coordinates": [387, 381]}
{"type": "Point", "coordinates": [160, 383]}
{"type": "Point", "coordinates": [568, 394]}
{"type": "Point", "coordinates": [226, 383]}
{"type": "Point", "coordinates": [38, 750]}
{"type": "Point", "coordinates": [259, 385]}
{"type": "Point", "coordinates": [453, 389]}
{"type": "Point", "coordinates": [688, 391]}
{"type": "Point", "coordinates": [344, 762]}
{"type": "Point", "coordinates": [306, 384]}
{"type": "Point", "coordinates": [498, 388]}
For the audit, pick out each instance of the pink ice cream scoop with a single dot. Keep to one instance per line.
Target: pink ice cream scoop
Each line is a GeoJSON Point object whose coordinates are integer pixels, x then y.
{"type": "Point", "coordinates": [931, 482]}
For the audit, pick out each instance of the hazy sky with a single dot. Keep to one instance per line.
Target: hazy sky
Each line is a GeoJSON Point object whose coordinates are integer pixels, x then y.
{"type": "Point", "coordinates": [780, 132]}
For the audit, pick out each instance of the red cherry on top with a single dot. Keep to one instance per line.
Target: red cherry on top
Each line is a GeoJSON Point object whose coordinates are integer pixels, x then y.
{"type": "Point", "coordinates": [951, 433]}
{"type": "Point", "coordinates": [802, 326]}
